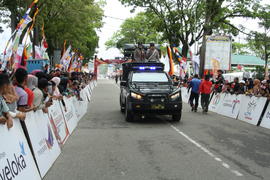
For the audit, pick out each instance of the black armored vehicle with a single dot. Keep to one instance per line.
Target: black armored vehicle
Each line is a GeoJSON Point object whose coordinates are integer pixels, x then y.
{"type": "Point", "coordinates": [147, 89]}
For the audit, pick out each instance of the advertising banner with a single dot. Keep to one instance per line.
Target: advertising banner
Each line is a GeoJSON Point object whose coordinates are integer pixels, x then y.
{"type": "Point", "coordinates": [230, 106]}
{"type": "Point", "coordinates": [44, 143]}
{"type": "Point", "coordinates": [266, 118]}
{"type": "Point", "coordinates": [16, 160]}
{"type": "Point", "coordinates": [251, 109]}
{"type": "Point", "coordinates": [70, 114]}
{"type": "Point", "coordinates": [218, 53]}
{"type": "Point", "coordinates": [58, 123]}
{"type": "Point", "coordinates": [216, 102]}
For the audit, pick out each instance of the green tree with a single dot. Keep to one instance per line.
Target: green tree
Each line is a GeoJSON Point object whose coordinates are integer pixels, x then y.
{"type": "Point", "coordinates": [259, 42]}
{"type": "Point", "coordinates": [134, 30]}
{"type": "Point", "coordinates": [187, 21]}
{"type": "Point", "coordinates": [240, 48]}
{"type": "Point", "coordinates": [75, 21]}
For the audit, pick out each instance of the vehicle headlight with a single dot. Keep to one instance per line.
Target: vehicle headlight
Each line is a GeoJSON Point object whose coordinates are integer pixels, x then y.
{"type": "Point", "coordinates": [136, 96]}
{"type": "Point", "coordinates": [175, 96]}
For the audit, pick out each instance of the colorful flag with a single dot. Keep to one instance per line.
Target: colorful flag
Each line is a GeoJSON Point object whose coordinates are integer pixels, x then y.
{"type": "Point", "coordinates": [169, 52]}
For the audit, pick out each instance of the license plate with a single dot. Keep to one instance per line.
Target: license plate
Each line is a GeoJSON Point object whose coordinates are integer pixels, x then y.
{"type": "Point", "coordinates": [157, 106]}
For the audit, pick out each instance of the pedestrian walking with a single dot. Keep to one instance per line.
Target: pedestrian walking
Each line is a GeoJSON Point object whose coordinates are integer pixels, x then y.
{"type": "Point", "coordinates": [116, 79]}
{"type": "Point", "coordinates": [195, 92]}
{"type": "Point", "coordinates": [205, 90]}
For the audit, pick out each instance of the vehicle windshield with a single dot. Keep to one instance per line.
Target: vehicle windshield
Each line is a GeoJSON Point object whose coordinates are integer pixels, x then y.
{"type": "Point", "coordinates": [150, 77]}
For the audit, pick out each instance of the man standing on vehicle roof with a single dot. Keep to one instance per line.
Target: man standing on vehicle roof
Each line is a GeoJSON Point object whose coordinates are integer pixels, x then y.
{"type": "Point", "coordinates": [152, 53]}
{"type": "Point", "coordinates": [195, 92]}
{"type": "Point", "coordinates": [139, 53]}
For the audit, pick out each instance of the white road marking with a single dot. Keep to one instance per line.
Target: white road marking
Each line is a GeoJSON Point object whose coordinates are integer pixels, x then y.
{"type": "Point", "coordinates": [225, 165]}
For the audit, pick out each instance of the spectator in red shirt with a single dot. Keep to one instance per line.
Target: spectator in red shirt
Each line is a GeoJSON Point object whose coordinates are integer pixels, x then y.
{"type": "Point", "coordinates": [205, 90]}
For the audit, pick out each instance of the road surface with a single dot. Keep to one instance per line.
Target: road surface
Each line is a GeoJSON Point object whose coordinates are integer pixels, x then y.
{"type": "Point", "coordinates": [201, 147]}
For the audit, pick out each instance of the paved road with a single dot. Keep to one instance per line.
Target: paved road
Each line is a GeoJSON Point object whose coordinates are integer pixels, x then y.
{"type": "Point", "coordinates": [201, 147]}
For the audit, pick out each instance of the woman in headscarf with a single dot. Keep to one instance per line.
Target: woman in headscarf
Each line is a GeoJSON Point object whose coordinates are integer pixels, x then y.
{"type": "Point", "coordinates": [32, 84]}
{"type": "Point", "coordinates": [257, 87]}
{"type": "Point", "coordinates": [56, 92]}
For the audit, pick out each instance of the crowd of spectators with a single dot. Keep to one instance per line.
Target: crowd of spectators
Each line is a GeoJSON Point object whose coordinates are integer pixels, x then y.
{"type": "Point", "coordinates": [21, 92]}
{"type": "Point", "coordinates": [247, 86]}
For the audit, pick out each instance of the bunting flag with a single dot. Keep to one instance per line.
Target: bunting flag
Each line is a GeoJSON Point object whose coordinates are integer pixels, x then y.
{"type": "Point", "coordinates": [44, 45]}
{"type": "Point", "coordinates": [66, 58]}
{"type": "Point", "coordinates": [169, 52]}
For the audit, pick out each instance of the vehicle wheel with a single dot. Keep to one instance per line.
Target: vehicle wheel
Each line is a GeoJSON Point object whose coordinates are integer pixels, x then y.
{"type": "Point", "coordinates": [128, 114]}
{"type": "Point", "coordinates": [122, 106]}
{"type": "Point", "coordinates": [177, 117]}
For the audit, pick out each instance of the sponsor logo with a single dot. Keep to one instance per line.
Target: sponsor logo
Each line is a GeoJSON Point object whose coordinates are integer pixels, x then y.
{"type": "Point", "coordinates": [13, 166]}
{"type": "Point", "coordinates": [50, 140]}
{"type": "Point", "coordinates": [267, 115]}
{"type": "Point", "coordinates": [251, 107]}
{"type": "Point", "coordinates": [235, 102]}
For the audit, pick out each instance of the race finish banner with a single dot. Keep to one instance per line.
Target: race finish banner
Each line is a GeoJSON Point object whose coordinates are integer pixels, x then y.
{"type": "Point", "coordinates": [230, 106]}
{"type": "Point", "coordinates": [16, 160]}
{"type": "Point", "coordinates": [218, 53]}
{"type": "Point", "coordinates": [58, 123]}
{"type": "Point", "coordinates": [251, 109]}
{"type": "Point", "coordinates": [44, 143]}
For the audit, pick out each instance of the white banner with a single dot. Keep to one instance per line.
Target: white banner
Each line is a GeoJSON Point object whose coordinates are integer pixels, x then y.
{"type": "Point", "coordinates": [70, 114]}
{"type": "Point", "coordinates": [266, 118]}
{"type": "Point", "coordinates": [185, 94]}
{"type": "Point", "coordinates": [16, 160]}
{"type": "Point", "coordinates": [230, 105]}
{"type": "Point", "coordinates": [58, 123]}
{"type": "Point", "coordinates": [251, 109]}
{"type": "Point", "coordinates": [44, 143]}
{"type": "Point", "coordinates": [216, 102]}
{"type": "Point", "coordinates": [218, 53]}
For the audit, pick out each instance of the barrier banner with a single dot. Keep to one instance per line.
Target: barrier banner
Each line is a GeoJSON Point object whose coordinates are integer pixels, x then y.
{"type": "Point", "coordinates": [58, 123]}
{"type": "Point", "coordinates": [185, 94]}
{"type": "Point", "coordinates": [230, 106]}
{"type": "Point", "coordinates": [16, 160]}
{"type": "Point", "coordinates": [251, 109]}
{"type": "Point", "coordinates": [44, 143]}
{"type": "Point", "coordinates": [95, 83]}
{"type": "Point", "coordinates": [266, 118]}
{"type": "Point", "coordinates": [70, 114]}
{"type": "Point", "coordinates": [85, 94]}
{"type": "Point", "coordinates": [216, 102]}
{"type": "Point", "coordinates": [78, 109]}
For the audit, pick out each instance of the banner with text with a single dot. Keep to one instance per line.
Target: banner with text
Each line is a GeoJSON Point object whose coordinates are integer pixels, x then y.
{"type": "Point", "coordinates": [16, 160]}
{"type": "Point", "coordinates": [251, 109]}
{"type": "Point", "coordinates": [230, 105]}
{"type": "Point", "coordinates": [58, 123]}
{"type": "Point", "coordinates": [44, 143]}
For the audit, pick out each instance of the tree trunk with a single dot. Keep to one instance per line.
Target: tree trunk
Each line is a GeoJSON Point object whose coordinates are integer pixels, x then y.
{"type": "Point", "coordinates": [13, 20]}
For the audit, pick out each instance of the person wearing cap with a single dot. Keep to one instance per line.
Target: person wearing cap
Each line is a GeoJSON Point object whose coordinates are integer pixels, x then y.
{"type": "Point", "coordinates": [139, 53]}
{"type": "Point", "coordinates": [152, 53]}
{"type": "Point", "coordinates": [242, 87]}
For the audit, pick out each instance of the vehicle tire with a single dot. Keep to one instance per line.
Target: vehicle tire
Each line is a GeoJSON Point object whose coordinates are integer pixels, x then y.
{"type": "Point", "coordinates": [122, 106]}
{"type": "Point", "coordinates": [177, 117]}
{"type": "Point", "coordinates": [128, 114]}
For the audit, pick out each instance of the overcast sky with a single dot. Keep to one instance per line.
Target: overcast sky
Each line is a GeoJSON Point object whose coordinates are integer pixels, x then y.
{"type": "Point", "coordinates": [115, 9]}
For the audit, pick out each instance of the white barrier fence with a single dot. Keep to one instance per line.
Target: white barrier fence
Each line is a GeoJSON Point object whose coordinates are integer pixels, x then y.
{"type": "Point", "coordinates": [249, 109]}
{"type": "Point", "coordinates": [45, 134]}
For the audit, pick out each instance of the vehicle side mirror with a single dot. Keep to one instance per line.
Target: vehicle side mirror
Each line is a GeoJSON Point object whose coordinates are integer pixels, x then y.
{"type": "Point", "coordinates": [123, 83]}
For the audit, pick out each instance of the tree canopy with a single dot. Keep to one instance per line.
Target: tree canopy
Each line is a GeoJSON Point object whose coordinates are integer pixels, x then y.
{"type": "Point", "coordinates": [133, 30]}
{"type": "Point", "coordinates": [75, 21]}
{"type": "Point", "coordinates": [187, 21]}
